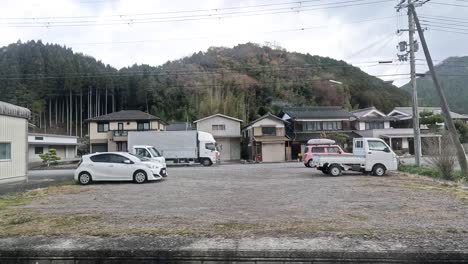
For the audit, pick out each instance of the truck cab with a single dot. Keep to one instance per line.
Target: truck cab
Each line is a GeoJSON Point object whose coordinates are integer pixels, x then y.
{"type": "Point", "coordinates": [208, 151]}
{"type": "Point", "coordinates": [370, 155]}
{"type": "Point", "coordinates": [149, 152]}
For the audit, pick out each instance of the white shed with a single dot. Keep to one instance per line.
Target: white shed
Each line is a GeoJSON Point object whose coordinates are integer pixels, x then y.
{"type": "Point", "coordinates": [13, 142]}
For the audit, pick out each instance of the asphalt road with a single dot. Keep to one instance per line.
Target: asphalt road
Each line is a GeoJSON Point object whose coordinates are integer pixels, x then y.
{"type": "Point", "coordinates": [37, 179]}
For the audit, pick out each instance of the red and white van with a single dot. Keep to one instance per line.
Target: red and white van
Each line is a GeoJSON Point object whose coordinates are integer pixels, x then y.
{"type": "Point", "coordinates": [321, 146]}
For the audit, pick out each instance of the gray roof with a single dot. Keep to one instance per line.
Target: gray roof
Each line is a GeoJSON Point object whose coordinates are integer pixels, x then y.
{"type": "Point", "coordinates": [125, 115]}
{"type": "Point", "coordinates": [220, 115]}
{"type": "Point", "coordinates": [437, 110]}
{"type": "Point", "coordinates": [317, 112]}
{"type": "Point", "coordinates": [14, 110]}
{"type": "Point", "coordinates": [179, 126]}
{"type": "Point", "coordinates": [268, 115]}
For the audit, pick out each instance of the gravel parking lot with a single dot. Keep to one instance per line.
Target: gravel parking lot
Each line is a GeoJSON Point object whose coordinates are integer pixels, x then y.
{"type": "Point", "coordinates": [265, 200]}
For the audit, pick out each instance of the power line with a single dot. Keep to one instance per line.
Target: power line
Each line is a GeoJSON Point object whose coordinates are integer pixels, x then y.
{"type": "Point", "coordinates": [448, 4]}
{"type": "Point", "coordinates": [183, 18]}
{"type": "Point", "coordinates": [230, 35]}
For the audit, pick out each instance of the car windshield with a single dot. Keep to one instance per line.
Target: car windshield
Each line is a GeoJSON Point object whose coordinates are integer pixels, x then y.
{"type": "Point", "coordinates": [154, 152]}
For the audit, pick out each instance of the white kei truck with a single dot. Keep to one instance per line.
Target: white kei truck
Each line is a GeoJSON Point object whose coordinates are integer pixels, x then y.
{"type": "Point", "coordinates": [178, 147]}
{"type": "Point", "coordinates": [370, 155]}
{"type": "Point", "coordinates": [148, 152]}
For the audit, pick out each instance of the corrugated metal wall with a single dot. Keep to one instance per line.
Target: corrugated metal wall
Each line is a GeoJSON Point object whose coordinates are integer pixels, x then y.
{"type": "Point", "coordinates": [14, 130]}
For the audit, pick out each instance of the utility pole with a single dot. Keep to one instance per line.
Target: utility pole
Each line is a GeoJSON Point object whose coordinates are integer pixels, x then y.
{"type": "Point", "coordinates": [412, 49]}
{"type": "Point", "coordinates": [443, 100]}
{"type": "Point", "coordinates": [417, 132]}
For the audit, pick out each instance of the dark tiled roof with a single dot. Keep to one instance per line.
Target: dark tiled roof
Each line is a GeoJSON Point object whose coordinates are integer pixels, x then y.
{"type": "Point", "coordinates": [268, 115]}
{"type": "Point", "coordinates": [317, 112]}
{"type": "Point", "coordinates": [179, 126]}
{"type": "Point", "coordinates": [125, 115]}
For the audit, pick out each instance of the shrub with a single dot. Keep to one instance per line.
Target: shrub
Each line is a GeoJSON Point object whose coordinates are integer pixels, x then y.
{"type": "Point", "coordinates": [442, 156]}
{"type": "Point", "coordinates": [50, 157]}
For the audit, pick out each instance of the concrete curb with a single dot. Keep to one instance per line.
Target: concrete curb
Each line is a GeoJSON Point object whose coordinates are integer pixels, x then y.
{"type": "Point", "coordinates": [192, 250]}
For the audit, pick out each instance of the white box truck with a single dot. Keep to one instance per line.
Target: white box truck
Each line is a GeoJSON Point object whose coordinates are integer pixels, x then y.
{"type": "Point", "coordinates": [370, 155]}
{"type": "Point", "coordinates": [178, 146]}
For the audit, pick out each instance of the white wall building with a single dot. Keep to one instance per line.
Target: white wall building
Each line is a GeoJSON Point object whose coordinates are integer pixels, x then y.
{"type": "Point", "coordinates": [226, 130]}
{"type": "Point", "coordinates": [13, 142]}
{"type": "Point", "coordinates": [66, 146]}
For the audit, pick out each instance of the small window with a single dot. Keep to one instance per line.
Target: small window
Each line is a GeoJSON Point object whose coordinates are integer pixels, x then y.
{"type": "Point", "coordinates": [358, 144]}
{"type": "Point", "coordinates": [333, 150]}
{"type": "Point", "coordinates": [210, 146]}
{"type": "Point", "coordinates": [114, 158]}
{"type": "Point", "coordinates": [38, 150]}
{"type": "Point", "coordinates": [39, 138]}
{"type": "Point", "coordinates": [218, 127]}
{"type": "Point", "coordinates": [269, 131]}
{"type": "Point", "coordinates": [318, 150]}
{"type": "Point", "coordinates": [376, 145]}
{"type": "Point", "coordinates": [143, 126]}
{"type": "Point", "coordinates": [101, 158]}
{"type": "Point", "coordinates": [5, 151]}
{"type": "Point", "coordinates": [143, 153]}
{"type": "Point", "coordinates": [103, 127]}
{"type": "Point", "coordinates": [120, 126]}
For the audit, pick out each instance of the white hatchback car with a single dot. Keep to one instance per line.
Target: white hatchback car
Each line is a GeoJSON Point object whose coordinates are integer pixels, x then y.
{"type": "Point", "coordinates": [117, 166]}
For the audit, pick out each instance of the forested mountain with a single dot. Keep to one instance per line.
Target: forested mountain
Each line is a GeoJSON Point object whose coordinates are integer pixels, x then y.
{"type": "Point", "coordinates": [453, 75]}
{"type": "Point", "coordinates": [62, 87]}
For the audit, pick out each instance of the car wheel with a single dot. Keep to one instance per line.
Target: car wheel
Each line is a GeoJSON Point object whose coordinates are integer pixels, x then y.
{"type": "Point", "coordinates": [139, 177]}
{"type": "Point", "coordinates": [378, 170]}
{"type": "Point", "coordinates": [207, 162]}
{"type": "Point", "coordinates": [334, 170]}
{"type": "Point", "coordinates": [309, 163]}
{"type": "Point", "coordinates": [84, 178]}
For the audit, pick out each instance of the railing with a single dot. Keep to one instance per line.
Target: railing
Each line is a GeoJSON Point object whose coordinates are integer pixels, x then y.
{"type": "Point", "coordinates": [120, 133]}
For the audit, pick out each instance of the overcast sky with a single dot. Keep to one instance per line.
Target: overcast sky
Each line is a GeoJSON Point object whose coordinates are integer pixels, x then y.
{"type": "Point", "coordinates": [124, 32]}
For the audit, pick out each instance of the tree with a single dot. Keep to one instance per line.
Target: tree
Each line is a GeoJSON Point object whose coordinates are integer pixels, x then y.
{"type": "Point", "coordinates": [462, 129]}
{"type": "Point", "coordinates": [431, 120]}
{"type": "Point", "coordinates": [50, 157]}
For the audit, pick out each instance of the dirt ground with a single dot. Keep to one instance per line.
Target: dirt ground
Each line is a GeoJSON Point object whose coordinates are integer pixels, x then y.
{"type": "Point", "coordinates": [255, 200]}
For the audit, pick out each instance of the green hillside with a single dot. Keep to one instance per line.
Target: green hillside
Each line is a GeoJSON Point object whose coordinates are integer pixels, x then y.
{"type": "Point", "coordinates": [245, 82]}
{"type": "Point", "coordinates": [453, 75]}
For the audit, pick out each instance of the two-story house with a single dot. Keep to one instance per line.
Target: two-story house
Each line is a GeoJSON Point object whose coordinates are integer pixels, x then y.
{"type": "Point", "coordinates": [226, 130]}
{"type": "Point", "coordinates": [109, 132]}
{"type": "Point", "coordinates": [264, 139]}
{"type": "Point", "coordinates": [306, 123]}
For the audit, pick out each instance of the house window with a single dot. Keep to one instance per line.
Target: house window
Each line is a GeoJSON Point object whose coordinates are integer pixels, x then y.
{"type": "Point", "coordinates": [218, 127]}
{"type": "Point", "coordinates": [331, 125]}
{"type": "Point", "coordinates": [120, 126]}
{"type": "Point", "coordinates": [38, 150]}
{"type": "Point", "coordinates": [5, 151]}
{"type": "Point", "coordinates": [143, 126]}
{"type": "Point", "coordinates": [269, 131]}
{"type": "Point", "coordinates": [374, 125]}
{"type": "Point", "coordinates": [311, 126]}
{"type": "Point", "coordinates": [103, 127]}
{"type": "Point", "coordinates": [39, 138]}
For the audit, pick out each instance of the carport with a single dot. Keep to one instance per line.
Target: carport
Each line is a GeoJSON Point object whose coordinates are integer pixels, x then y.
{"type": "Point", "coordinates": [405, 142]}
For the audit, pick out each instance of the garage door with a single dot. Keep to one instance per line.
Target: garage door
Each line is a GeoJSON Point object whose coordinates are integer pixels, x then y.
{"type": "Point", "coordinates": [273, 152]}
{"type": "Point", "coordinates": [98, 148]}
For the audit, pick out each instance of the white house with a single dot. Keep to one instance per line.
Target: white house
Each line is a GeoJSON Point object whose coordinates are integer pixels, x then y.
{"type": "Point", "coordinates": [371, 118]}
{"type": "Point", "coordinates": [226, 130]}
{"type": "Point", "coordinates": [66, 146]}
{"type": "Point", "coordinates": [264, 139]}
{"type": "Point", "coordinates": [13, 142]}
